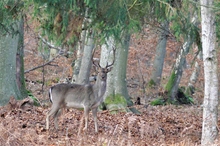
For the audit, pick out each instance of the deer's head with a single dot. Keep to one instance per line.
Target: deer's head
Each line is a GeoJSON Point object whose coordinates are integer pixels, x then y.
{"type": "Point", "coordinates": [102, 72]}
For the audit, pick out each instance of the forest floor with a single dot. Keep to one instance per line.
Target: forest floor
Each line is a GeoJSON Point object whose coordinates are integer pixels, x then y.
{"type": "Point", "coordinates": [24, 124]}
{"type": "Point", "coordinates": [21, 123]}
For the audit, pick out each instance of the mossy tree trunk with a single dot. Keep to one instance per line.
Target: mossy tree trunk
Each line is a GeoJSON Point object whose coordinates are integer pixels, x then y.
{"type": "Point", "coordinates": [177, 71]}
{"type": "Point", "coordinates": [116, 96]}
{"type": "Point", "coordinates": [12, 65]}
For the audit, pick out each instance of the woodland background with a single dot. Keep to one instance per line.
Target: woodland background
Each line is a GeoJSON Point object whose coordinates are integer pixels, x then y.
{"type": "Point", "coordinates": [22, 123]}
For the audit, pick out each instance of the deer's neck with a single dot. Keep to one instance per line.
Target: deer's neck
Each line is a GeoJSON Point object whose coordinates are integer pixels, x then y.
{"type": "Point", "coordinates": [99, 88]}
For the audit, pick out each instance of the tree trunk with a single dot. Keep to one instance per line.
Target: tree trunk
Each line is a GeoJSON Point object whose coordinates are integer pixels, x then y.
{"type": "Point", "coordinates": [116, 96]}
{"type": "Point", "coordinates": [107, 57]}
{"type": "Point", "coordinates": [78, 61]}
{"type": "Point", "coordinates": [121, 68]}
{"type": "Point", "coordinates": [12, 75]}
{"type": "Point", "coordinates": [194, 77]}
{"type": "Point", "coordinates": [20, 61]}
{"type": "Point", "coordinates": [80, 49]}
{"type": "Point", "coordinates": [160, 54]}
{"type": "Point", "coordinates": [177, 71]}
{"type": "Point", "coordinates": [210, 105]}
{"type": "Point", "coordinates": [86, 64]}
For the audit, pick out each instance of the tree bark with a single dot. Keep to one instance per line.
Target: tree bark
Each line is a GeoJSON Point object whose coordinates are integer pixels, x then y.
{"type": "Point", "coordinates": [12, 72]}
{"type": "Point", "coordinates": [177, 71]}
{"type": "Point", "coordinates": [20, 61]}
{"type": "Point", "coordinates": [107, 58]}
{"type": "Point", "coordinates": [160, 54]}
{"type": "Point", "coordinates": [210, 105]}
{"type": "Point", "coordinates": [121, 68]}
{"type": "Point", "coordinates": [116, 96]}
{"type": "Point", "coordinates": [78, 61]}
{"type": "Point", "coordinates": [86, 64]}
{"type": "Point", "coordinates": [194, 77]}
{"type": "Point", "coordinates": [80, 49]}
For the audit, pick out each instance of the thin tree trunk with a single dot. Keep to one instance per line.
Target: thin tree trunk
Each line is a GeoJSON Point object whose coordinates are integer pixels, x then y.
{"type": "Point", "coordinates": [20, 61]}
{"type": "Point", "coordinates": [80, 49]}
{"type": "Point", "coordinates": [86, 64]}
{"type": "Point", "coordinates": [210, 105]}
{"type": "Point", "coordinates": [160, 54]}
{"type": "Point", "coordinates": [78, 61]}
{"type": "Point", "coordinates": [194, 77]}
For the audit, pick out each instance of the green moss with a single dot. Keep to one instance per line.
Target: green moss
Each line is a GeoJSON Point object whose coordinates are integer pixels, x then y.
{"type": "Point", "coordinates": [151, 83]}
{"type": "Point", "coordinates": [115, 103]}
{"type": "Point", "coordinates": [36, 101]}
{"type": "Point", "coordinates": [158, 101]}
{"type": "Point", "coordinates": [170, 83]}
{"type": "Point", "coordinates": [116, 99]}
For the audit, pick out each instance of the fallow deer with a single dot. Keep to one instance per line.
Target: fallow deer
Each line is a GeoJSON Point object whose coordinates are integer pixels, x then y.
{"type": "Point", "coordinates": [87, 96]}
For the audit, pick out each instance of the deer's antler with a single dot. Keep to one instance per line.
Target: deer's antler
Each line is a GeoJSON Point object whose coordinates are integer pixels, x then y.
{"type": "Point", "coordinates": [114, 50]}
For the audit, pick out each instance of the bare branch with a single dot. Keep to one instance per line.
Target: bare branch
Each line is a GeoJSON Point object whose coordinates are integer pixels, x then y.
{"type": "Point", "coordinates": [51, 45]}
{"type": "Point", "coordinates": [47, 63]}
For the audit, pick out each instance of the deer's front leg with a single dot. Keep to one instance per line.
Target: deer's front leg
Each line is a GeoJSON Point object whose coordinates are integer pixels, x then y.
{"type": "Point", "coordinates": [94, 113]}
{"type": "Point", "coordinates": [86, 115]}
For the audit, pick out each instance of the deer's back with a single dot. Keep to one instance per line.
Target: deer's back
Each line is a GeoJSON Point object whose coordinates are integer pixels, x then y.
{"type": "Point", "coordinates": [73, 95]}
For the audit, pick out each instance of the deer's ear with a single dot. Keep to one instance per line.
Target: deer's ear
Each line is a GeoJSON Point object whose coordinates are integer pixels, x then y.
{"type": "Point", "coordinates": [109, 69]}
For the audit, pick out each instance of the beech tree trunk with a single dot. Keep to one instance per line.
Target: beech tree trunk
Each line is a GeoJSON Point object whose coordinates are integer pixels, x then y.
{"type": "Point", "coordinates": [86, 64]}
{"type": "Point", "coordinates": [107, 57]}
{"type": "Point", "coordinates": [11, 65]}
{"type": "Point", "coordinates": [160, 54]}
{"type": "Point", "coordinates": [116, 96]}
{"type": "Point", "coordinates": [210, 105]}
{"type": "Point", "coordinates": [78, 61]}
{"type": "Point", "coordinates": [80, 49]}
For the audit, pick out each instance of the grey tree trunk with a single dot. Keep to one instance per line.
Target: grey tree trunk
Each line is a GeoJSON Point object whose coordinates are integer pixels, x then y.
{"type": "Point", "coordinates": [20, 61]}
{"type": "Point", "coordinates": [80, 49]}
{"type": "Point", "coordinates": [160, 54]}
{"type": "Point", "coordinates": [177, 71]}
{"type": "Point", "coordinates": [86, 64]}
{"type": "Point", "coordinates": [121, 68]}
{"type": "Point", "coordinates": [210, 105]}
{"type": "Point", "coordinates": [116, 96]}
{"type": "Point", "coordinates": [194, 77]}
{"type": "Point", "coordinates": [107, 57]}
{"type": "Point", "coordinates": [78, 61]}
{"type": "Point", "coordinates": [11, 75]}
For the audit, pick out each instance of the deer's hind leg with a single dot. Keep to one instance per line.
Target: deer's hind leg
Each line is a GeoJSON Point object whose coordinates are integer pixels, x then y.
{"type": "Point", "coordinates": [55, 112]}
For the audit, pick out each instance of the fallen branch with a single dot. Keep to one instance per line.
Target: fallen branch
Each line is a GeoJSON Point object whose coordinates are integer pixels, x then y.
{"type": "Point", "coordinates": [47, 63]}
